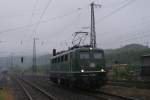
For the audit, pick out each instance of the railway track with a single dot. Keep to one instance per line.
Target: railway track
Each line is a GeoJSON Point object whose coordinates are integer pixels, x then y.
{"type": "Point", "coordinates": [33, 92]}
{"type": "Point", "coordinates": [137, 84]}
{"type": "Point", "coordinates": [110, 95]}
{"type": "Point", "coordinates": [66, 93]}
{"type": "Point", "coordinates": [101, 95]}
{"type": "Point", "coordinates": [98, 95]}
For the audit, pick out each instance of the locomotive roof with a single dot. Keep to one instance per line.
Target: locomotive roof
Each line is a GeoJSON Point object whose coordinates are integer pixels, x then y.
{"type": "Point", "coordinates": [75, 49]}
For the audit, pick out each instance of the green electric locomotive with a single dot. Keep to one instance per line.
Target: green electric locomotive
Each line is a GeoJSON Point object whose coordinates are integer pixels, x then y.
{"type": "Point", "coordinates": [80, 66]}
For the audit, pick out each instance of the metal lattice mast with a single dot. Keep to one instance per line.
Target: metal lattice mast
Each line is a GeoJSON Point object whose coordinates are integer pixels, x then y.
{"type": "Point", "coordinates": [34, 56]}
{"type": "Point", "coordinates": [93, 33]}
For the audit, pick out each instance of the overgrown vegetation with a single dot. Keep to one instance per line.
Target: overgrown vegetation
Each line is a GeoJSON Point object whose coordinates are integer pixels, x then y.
{"type": "Point", "coordinates": [6, 94]}
{"type": "Point", "coordinates": [130, 55]}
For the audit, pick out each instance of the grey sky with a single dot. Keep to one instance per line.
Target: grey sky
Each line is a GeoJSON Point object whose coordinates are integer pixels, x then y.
{"type": "Point", "coordinates": [118, 22]}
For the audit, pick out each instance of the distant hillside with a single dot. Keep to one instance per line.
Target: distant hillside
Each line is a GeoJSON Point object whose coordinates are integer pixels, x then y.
{"type": "Point", "coordinates": [129, 54]}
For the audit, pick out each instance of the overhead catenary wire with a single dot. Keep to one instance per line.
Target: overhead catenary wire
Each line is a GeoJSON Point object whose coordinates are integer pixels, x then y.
{"type": "Point", "coordinates": [33, 11]}
{"type": "Point", "coordinates": [115, 11]}
{"type": "Point", "coordinates": [136, 37]}
{"type": "Point", "coordinates": [16, 28]}
{"type": "Point", "coordinates": [132, 36]}
{"type": "Point", "coordinates": [32, 15]}
{"type": "Point", "coordinates": [143, 36]}
{"type": "Point", "coordinates": [44, 11]}
{"type": "Point", "coordinates": [138, 33]}
{"type": "Point", "coordinates": [42, 21]}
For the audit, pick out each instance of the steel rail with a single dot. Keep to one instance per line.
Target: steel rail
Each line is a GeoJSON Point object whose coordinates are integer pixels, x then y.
{"type": "Point", "coordinates": [115, 95]}
{"type": "Point", "coordinates": [25, 90]}
{"type": "Point", "coordinates": [51, 97]}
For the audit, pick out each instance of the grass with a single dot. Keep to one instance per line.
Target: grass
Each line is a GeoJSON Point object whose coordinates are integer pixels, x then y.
{"type": "Point", "coordinates": [1, 95]}
{"type": "Point", "coordinates": [6, 94]}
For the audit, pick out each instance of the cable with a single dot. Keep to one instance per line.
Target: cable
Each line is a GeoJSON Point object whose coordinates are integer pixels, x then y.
{"type": "Point", "coordinates": [16, 28]}
{"type": "Point", "coordinates": [33, 11]}
{"type": "Point", "coordinates": [43, 21]}
{"type": "Point", "coordinates": [54, 18]}
{"type": "Point", "coordinates": [115, 11]}
{"type": "Point", "coordinates": [134, 38]}
{"type": "Point", "coordinates": [139, 36]}
{"type": "Point", "coordinates": [44, 11]}
{"type": "Point", "coordinates": [139, 33]}
{"type": "Point", "coordinates": [61, 16]}
{"type": "Point", "coordinates": [111, 13]}
{"type": "Point", "coordinates": [134, 34]}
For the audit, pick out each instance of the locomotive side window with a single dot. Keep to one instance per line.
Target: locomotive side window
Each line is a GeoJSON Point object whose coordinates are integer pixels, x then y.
{"type": "Point", "coordinates": [66, 57]}
{"type": "Point", "coordinates": [97, 55]}
{"type": "Point", "coordinates": [84, 55]}
{"type": "Point", "coordinates": [62, 58]}
{"type": "Point", "coordinates": [53, 61]}
{"type": "Point", "coordinates": [58, 59]}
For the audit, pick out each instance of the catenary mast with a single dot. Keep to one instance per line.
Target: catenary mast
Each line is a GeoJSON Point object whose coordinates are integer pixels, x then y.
{"type": "Point", "coordinates": [93, 33]}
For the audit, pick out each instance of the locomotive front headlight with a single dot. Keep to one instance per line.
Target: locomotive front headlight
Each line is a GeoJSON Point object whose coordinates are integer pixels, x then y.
{"type": "Point", "coordinates": [102, 70]}
{"type": "Point", "coordinates": [82, 70]}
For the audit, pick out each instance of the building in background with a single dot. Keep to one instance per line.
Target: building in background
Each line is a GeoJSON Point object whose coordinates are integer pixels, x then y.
{"type": "Point", "coordinates": [145, 68]}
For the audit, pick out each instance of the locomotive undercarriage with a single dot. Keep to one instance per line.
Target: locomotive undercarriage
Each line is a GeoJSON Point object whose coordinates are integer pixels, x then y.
{"type": "Point", "coordinates": [85, 80]}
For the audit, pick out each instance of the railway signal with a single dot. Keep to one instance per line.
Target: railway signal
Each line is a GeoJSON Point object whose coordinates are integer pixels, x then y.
{"type": "Point", "coordinates": [22, 59]}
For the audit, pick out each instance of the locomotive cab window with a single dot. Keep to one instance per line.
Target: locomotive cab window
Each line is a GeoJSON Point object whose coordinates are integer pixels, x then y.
{"type": "Point", "coordinates": [84, 55]}
{"type": "Point", "coordinates": [97, 55]}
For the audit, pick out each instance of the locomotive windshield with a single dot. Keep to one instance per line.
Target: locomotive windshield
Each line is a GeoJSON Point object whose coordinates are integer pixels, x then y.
{"type": "Point", "coordinates": [98, 55]}
{"type": "Point", "coordinates": [94, 54]}
{"type": "Point", "coordinates": [84, 55]}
